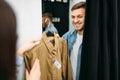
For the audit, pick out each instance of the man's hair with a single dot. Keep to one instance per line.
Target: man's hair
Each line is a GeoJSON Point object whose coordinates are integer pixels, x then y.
{"type": "Point", "coordinates": [79, 5]}
{"type": "Point", "coordinates": [47, 15]}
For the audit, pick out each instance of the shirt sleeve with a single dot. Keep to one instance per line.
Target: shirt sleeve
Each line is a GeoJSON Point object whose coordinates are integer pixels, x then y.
{"type": "Point", "coordinates": [20, 67]}
{"type": "Point", "coordinates": [19, 60]}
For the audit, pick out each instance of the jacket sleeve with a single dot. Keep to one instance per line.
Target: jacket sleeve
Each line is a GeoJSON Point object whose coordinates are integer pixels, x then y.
{"type": "Point", "coordinates": [66, 69]}
{"type": "Point", "coordinates": [27, 59]}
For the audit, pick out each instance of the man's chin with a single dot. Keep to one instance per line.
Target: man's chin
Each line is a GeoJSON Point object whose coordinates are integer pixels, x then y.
{"type": "Point", "coordinates": [77, 29]}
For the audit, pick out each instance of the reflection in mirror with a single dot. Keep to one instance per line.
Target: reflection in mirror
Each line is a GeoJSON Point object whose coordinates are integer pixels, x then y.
{"type": "Point", "coordinates": [61, 11]}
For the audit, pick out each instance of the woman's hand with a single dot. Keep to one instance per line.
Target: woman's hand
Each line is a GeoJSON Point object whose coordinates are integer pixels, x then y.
{"type": "Point", "coordinates": [34, 72]}
{"type": "Point", "coordinates": [27, 46]}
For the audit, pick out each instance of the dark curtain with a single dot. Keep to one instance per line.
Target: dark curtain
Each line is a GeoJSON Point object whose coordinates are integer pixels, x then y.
{"type": "Point", "coordinates": [101, 42]}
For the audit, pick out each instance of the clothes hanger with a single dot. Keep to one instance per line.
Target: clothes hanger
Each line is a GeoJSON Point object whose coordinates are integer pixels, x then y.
{"type": "Point", "coordinates": [49, 34]}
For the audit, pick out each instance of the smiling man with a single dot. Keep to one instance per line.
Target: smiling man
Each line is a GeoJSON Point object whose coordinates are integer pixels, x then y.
{"type": "Point", "coordinates": [74, 38]}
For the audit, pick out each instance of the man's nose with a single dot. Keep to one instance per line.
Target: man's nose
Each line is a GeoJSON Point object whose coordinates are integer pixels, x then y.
{"type": "Point", "coordinates": [76, 20]}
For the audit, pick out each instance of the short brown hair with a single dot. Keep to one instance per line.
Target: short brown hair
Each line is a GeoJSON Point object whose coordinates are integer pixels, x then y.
{"type": "Point", "coordinates": [48, 15]}
{"type": "Point", "coordinates": [79, 5]}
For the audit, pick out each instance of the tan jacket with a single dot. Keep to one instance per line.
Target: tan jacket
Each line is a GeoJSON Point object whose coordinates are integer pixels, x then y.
{"type": "Point", "coordinates": [54, 60]}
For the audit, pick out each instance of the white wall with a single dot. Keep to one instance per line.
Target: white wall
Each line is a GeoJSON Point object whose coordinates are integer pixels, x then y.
{"type": "Point", "coordinates": [29, 19]}
{"type": "Point", "coordinates": [72, 2]}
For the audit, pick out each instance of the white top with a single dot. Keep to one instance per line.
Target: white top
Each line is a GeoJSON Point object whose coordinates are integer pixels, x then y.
{"type": "Point", "coordinates": [74, 54]}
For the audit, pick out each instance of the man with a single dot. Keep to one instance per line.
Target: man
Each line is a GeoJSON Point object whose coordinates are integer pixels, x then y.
{"type": "Point", "coordinates": [47, 23]}
{"type": "Point", "coordinates": [74, 38]}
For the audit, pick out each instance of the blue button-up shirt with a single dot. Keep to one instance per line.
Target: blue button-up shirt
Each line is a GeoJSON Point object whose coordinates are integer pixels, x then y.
{"type": "Point", "coordinates": [70, 37]}
{"type": "Point", "coordinates": [51, 27]}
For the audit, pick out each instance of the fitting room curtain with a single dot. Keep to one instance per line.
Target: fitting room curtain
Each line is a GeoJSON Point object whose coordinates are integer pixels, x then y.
{"type": "Point", "coordinates": [101, 42]}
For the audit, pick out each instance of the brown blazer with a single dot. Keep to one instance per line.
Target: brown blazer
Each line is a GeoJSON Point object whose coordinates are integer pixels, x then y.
{"type": "Point", "coordinates": [52, 53]}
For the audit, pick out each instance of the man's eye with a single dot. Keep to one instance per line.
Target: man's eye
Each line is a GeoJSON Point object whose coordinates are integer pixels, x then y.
{"type": "Point", "coordinates": [73, 17]}
{"type": "Point", "coordinates": [80, 16]}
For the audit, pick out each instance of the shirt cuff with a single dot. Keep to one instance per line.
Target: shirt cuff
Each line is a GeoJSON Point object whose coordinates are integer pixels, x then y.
{"type": "Point", "coordinates": [19, 60]}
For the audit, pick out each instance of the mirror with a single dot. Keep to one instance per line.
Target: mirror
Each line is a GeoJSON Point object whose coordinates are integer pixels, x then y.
{"type": "Point", "coordinates": [61, 11]}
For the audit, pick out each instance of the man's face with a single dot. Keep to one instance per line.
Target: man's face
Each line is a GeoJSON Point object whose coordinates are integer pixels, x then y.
{"type": "Point", "coordinates": [78, 16]}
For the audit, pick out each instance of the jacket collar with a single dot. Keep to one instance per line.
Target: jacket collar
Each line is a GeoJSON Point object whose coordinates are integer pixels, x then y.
{"type": "Point", "coordinates": [47, 40]}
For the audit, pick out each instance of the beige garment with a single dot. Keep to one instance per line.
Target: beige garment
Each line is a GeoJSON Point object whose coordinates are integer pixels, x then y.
{"type": "Point", "coordinates": [51, 56]}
